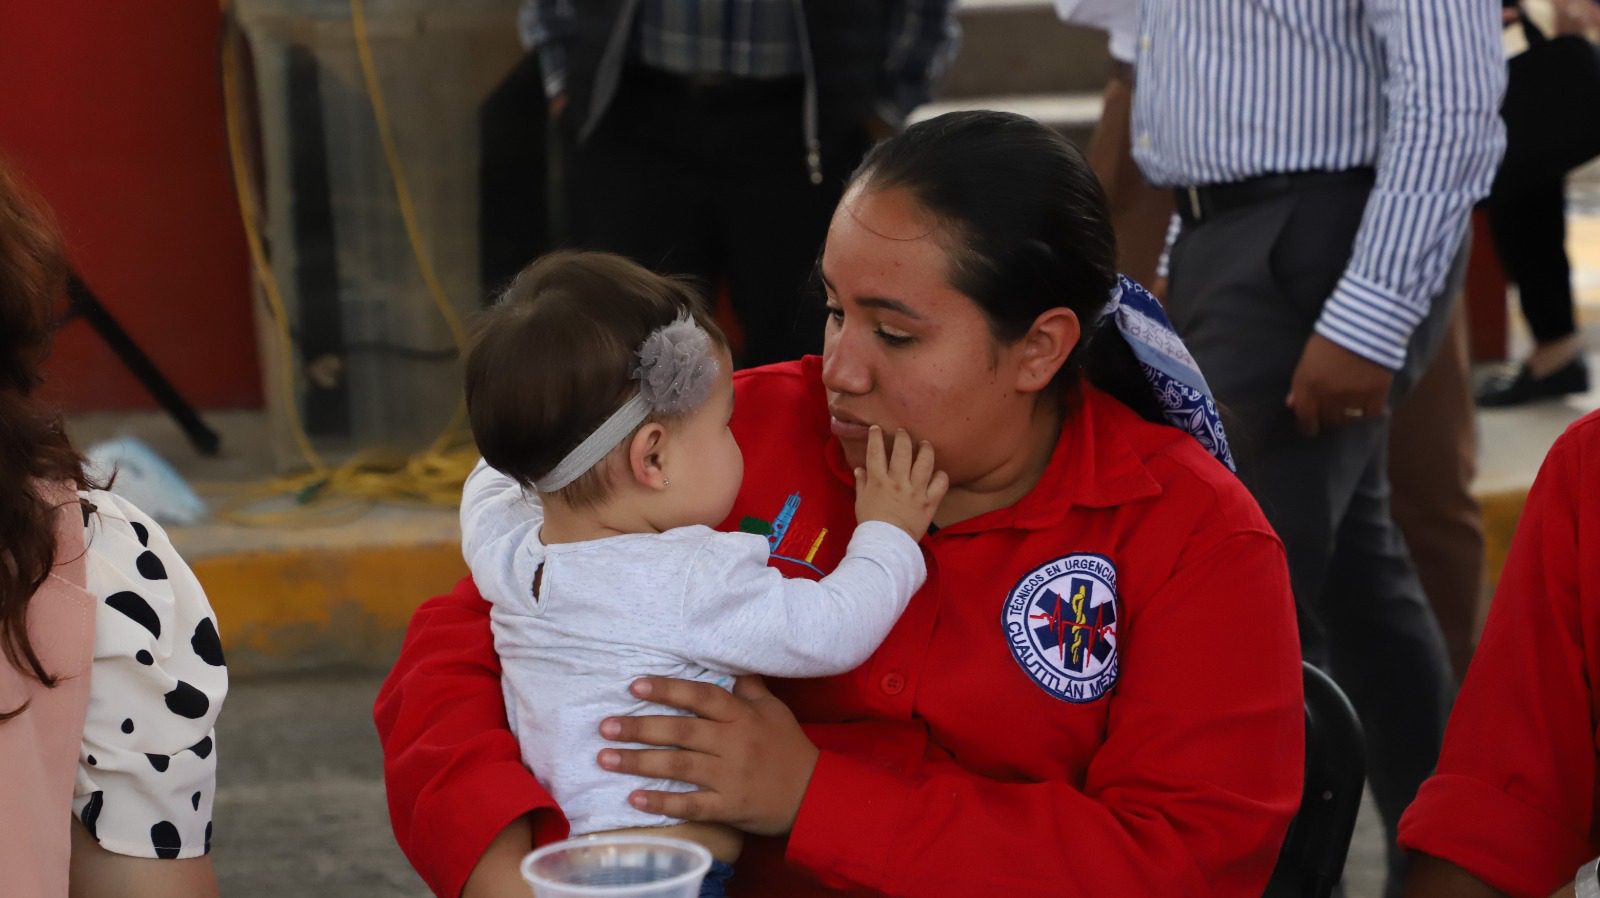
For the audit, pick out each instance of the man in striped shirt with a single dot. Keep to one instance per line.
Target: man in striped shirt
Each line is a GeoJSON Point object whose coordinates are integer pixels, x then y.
{"type": "Point", "coordinates": [713, 137]}
{"type": "Point", "coordinates": [1325, 156]}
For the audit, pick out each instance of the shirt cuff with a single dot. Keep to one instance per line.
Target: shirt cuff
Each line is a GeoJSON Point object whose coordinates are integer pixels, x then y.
{"type": "Point", "coordinates": [849, 812]}
{"type": "Point", "coordinates": [1121, 45]}
{"type": "Point", "coordinates": [1369, 320]}
{"type": "Point", "coordinates": [1498, 838]}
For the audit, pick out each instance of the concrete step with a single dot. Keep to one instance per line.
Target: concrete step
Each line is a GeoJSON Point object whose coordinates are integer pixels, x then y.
{"type": "Point", "coordinates": [1021, 47]}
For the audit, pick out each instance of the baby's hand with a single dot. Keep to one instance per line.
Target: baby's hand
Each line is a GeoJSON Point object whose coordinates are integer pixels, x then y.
{"type": "Point", "coordinates": [899, 489]}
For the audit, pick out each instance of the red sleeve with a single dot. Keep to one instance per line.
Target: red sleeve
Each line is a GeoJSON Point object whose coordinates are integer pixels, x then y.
{"type": "Point", "coordinates": [453, 773]}
{"type": "Point", "coordinates": [1513, 798]}
{"type": "Point", "coordinates": [1190, 793]}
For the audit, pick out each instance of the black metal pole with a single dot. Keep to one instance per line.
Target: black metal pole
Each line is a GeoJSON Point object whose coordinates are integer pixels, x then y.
{"type": "Point", "coordinates": [85, 305]}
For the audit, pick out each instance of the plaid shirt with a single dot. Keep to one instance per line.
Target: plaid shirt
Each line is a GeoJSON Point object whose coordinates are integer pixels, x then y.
{"type": "Point", "coordinates": [745, 39]}
{"type": "Point", "coordinates": [741, 38]}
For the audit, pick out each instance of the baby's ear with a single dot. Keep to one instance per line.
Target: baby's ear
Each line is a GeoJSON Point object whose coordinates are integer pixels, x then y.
{"type": "Point", "coordinates": [645, 449]}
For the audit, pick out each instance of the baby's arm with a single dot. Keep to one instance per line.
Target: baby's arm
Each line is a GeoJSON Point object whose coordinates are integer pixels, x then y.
{"type": "Point", "coordinates": [499, 526]}
{"type": "Point", "coordinates": [744, 617]}
{"type": "Point", "coordinates": [741, 616]}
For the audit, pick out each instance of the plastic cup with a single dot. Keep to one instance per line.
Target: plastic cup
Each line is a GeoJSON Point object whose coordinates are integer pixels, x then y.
{"type": "Point", "coordinates": [617, 867]}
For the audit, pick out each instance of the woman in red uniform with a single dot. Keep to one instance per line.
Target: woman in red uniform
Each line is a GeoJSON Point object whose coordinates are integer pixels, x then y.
{"type": "Point", "coordinates": [1097, 692]}
{"type": "Point", "coordinates": [1512, 808]}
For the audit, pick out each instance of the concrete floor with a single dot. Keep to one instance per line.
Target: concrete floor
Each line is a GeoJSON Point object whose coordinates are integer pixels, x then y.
{"type": "Point", "coordinates": [300, 804]}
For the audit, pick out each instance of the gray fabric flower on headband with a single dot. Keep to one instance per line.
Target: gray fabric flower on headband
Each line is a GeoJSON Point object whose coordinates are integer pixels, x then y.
{"type": "Point", "coordinates": [676, 367]}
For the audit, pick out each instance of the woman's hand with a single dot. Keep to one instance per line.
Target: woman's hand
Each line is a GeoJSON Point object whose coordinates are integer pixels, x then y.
{"type": "Point", "coordinates": [744, 750]}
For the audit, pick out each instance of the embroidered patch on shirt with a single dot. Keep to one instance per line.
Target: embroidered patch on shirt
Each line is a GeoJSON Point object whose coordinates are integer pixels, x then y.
{"type": "Point", "coordinates": [788, 542]}
{"type": "Point", "coordinates": [1061, 623]}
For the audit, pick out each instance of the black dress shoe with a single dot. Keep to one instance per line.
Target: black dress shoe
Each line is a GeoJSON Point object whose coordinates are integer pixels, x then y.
{"type": "Point", "coordinates": [1503, 392]}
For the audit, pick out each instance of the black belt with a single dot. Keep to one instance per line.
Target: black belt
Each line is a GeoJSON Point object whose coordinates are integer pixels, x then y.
{"type": "Point", "coordinates": [1207, 201]}
{"type": "Point", "coordinates": [716, 88]}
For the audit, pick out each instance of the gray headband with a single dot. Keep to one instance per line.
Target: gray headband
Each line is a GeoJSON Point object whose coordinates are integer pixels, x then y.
{"type": "Point", "coordinates": [675, 372]}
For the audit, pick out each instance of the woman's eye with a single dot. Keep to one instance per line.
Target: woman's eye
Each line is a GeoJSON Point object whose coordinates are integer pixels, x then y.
{"type": "Point", "coordinates": [889, 337]}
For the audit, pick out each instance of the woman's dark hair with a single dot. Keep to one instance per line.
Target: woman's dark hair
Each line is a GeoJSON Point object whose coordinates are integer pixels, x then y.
{"type": "Point", "coordinates": [1027, 229]}
{"type": "Point", "coordinates": [34, 448]}
{"type": "Point", "coordinates": [551, 361]}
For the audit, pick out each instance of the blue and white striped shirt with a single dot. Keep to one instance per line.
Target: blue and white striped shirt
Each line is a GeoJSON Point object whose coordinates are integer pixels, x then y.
{"type": "Point", "coordinates": [1232, 89]}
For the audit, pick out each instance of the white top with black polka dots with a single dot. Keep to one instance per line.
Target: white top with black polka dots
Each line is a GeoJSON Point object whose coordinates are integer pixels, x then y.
{"type": "Point", "coordinates": [147, 771]}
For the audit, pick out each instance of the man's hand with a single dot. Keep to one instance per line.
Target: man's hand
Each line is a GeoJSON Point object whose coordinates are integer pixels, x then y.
{"type": "Point", "coordinates": [1334, 386]}
{"type": "Point", "coordinates": [1581, 17]}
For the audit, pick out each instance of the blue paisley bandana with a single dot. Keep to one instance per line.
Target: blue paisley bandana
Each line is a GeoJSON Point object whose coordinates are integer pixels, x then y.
{"type": "Point", "coordinates": [1174, 377]}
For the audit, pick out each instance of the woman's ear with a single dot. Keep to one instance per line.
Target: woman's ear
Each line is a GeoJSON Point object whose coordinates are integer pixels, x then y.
{"type": "Point", "coordinates": [644, 456]}
{"type": "Point", "coordinates": [1045, 347]}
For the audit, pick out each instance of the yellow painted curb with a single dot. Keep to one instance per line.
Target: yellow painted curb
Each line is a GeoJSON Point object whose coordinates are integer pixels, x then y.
{"type": "Point", "coordinates": [1501, 511]}
{"type": "Point", "coordinates": [300, 608]}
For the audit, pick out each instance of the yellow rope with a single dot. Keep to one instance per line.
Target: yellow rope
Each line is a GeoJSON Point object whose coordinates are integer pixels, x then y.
{"type": "Point", "coordinates": [433, 476]}
{"type": "Point", "coordinates": [248, 210]}
{"type": "Point", "coordinates": [408, 211]}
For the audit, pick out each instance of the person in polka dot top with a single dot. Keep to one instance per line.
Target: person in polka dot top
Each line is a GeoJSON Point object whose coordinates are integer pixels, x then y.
{"type": "Point", "coordinates": [112, 672]}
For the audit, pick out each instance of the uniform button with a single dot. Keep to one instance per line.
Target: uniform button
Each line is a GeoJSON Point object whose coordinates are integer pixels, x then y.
{"type": "Point", "coordinates": [1144, 140]}
{"type": "Point", "coordinates": [1144, 42]}
{"type": "Point", "coordinates": [893, 683]}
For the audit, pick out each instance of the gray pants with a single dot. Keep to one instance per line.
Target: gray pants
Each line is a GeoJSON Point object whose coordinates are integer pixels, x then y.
{"type": "Point", "coordinates": [1246, 289]}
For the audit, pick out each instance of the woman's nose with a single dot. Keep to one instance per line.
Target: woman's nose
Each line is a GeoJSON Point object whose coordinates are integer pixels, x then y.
{"type": "Point", "coordinates": [844, 363]}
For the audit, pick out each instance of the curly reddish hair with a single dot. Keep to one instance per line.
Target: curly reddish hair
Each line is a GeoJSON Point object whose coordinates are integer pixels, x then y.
{"type": "Point", "coordinates": [34, 448]}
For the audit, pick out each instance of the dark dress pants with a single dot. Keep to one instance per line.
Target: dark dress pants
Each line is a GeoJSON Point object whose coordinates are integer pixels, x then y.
{"type": "Point", "coordinates": [1246, 289]}
{"type": "Point", "coordinates": [711, 181]}
{"type": "Point", "coordinates": [1530, 234]}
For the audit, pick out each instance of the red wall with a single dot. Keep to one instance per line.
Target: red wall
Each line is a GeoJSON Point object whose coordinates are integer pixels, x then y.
{"type": "Point", "coordinates": [113, 111]}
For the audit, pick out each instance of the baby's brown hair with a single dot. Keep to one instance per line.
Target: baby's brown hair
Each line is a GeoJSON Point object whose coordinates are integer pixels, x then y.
{"type": "Point", "coordinates": [551, 361]}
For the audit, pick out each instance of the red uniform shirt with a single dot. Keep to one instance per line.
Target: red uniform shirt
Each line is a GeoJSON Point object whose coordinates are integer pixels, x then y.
{"type": "Point", "coordinates": [1096, 692]}
{"type": "Point", "coordinates": [1514, 798]}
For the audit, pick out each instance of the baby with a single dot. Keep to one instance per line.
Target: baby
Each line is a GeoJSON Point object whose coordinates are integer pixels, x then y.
{"type": "Point", "coordinates": [600, 396]}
